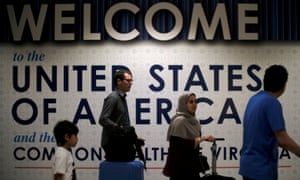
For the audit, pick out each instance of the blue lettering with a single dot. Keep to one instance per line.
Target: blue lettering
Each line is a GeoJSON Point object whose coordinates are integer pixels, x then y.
{"type": "Point", "coordinates": [15, 111]}
{"type": "Point", "coordinates": [18, 157]}
{"type": "Point", "coordinates": [254, 77]}
{"type": "Point", "coordinates": [26, 80]}
{"type": "Point", "coordinates": [216, 69]}
{"type": "Point", "coordinates": [284, 154]}
{"type": "Point", "coordinates": [48, 155]}
{"type": "Point", "coordinates": [175, 69]}
{"type": "Point", "coordinates": [155, 149]}
{"type": "Point", "coordinates": [48, 110]}
{"type": "Point", "coordinates": [161, 83]}
{"type": "Point", "coordinates": [79, 70]}
{"type": "Point", "coordinates": [234, 114]}
{"type": "Point", "coordinates": [96, 77]}
{"type": "Point", "coordinates": [96, 154]}
{"type": "Point", "coordinates": [163, 154]}
{"type": "Point", "coordinates": [164, 106]}
{"type": "Point", "coordinates": [140, 110]}
{"type": "Point", "coordinates": [196, 72]}
{"type": "Point", "coordinates": [81, 154]}
{"type": "Point", "coordinates": [41, 74]}
{"type": "Point", "coordinates": [209, 102]}
{"type": "Point", "coordinates": [33, 153]}
{"type": "Point", "coordinates": [84, 104]}
{"type": "Point", "coordinates": [233, 153]}
{"type": "Point", "coordinates": [66, 78]}
{"type": "Point", "coordinates": [232, 77]}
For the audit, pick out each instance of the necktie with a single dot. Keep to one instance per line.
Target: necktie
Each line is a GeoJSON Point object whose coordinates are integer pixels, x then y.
{"type": "Point", "coordinates": [126, 109]}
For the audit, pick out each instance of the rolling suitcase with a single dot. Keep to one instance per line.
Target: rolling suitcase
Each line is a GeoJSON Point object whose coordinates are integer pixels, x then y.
{"type": "Point", "coordinates": [214, 175]}
{"type": "Point", "coordinates": [133, 170]}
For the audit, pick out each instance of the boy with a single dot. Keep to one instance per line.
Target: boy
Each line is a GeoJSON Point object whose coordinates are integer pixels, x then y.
{"type": "Point", "coordinates": [65, 134]}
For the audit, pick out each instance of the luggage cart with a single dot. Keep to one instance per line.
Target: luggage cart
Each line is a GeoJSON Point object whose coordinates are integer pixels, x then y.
{"type": "Point", "coordinates": [214, 175]}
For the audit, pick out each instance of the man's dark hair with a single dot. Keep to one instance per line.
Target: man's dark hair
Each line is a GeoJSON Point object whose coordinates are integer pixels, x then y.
{"type": "Point", "coordinates": [63, 128]}
{"type": "Point", "coordinates": [120, 75]}
{"type": "Point", "coordinates": [275, 78]}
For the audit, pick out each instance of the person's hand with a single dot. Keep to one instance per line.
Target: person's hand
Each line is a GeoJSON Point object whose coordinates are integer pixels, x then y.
{"type": "Point", "coordinates": [139, 138]}
{"type": "Point", "coordinates": [117, 127]}
{"type": "Point", "coordinates": [141, 141]}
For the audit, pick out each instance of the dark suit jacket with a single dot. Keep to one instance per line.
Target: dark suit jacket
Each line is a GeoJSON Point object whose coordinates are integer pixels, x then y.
{"type": "Point", "coordinates": [114, 113]}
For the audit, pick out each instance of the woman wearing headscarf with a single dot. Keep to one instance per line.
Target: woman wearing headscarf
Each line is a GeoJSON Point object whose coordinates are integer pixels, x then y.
{"type": "Point", "coordinates": [184, 136]}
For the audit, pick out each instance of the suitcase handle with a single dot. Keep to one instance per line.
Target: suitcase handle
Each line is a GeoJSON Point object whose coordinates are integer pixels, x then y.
{"type": "Point", "coordinates": [218, 139]}
{"type": "Point", "coordinates": [214, 156]}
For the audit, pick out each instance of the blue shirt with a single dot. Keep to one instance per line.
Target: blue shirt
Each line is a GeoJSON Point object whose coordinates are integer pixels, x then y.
{"type": "Point", "coordinates": [259, 153]}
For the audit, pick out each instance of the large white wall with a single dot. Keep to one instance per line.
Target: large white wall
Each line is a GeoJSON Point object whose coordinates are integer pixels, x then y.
{"type": "Point", "coordinates": [21, 159]}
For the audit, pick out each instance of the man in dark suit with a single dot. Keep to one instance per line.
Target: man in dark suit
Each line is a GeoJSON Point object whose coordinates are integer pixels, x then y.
{"type": "Point", "coordinates": [115, 120]}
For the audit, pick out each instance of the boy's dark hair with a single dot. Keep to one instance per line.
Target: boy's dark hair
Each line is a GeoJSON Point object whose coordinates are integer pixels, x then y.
{"type": "Point", "coordinates": [120, 75]}
{"type": "Point", "coordinates": [63, 128]}
{"type": "Point", "coordinates": [275, 78]}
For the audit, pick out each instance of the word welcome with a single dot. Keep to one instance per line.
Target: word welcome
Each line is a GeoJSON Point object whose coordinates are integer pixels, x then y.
{"type": "Point", "coordinates": [66, 24]}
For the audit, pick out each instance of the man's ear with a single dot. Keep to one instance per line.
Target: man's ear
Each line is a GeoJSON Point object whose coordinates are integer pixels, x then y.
{"type": "Point", "coordinates": [66, 137]}
{"type": "Point", "coordinates": [118, 81]}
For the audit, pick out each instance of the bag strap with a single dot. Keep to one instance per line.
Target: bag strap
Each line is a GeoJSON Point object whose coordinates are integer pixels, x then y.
{"type": "Point", "coordinates": [138, 145]}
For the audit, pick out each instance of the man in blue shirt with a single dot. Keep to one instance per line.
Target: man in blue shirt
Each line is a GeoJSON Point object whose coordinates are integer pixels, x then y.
{"type": "Point", "coordinates": [264, 129]}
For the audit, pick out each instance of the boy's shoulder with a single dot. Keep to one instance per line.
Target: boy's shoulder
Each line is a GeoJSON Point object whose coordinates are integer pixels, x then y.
{"type": "Point", "coordinates": [61, 150]}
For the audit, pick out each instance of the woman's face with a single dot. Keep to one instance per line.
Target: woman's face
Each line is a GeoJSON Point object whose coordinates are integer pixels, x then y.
{"type": "Point", "coordinates": [192, 104]}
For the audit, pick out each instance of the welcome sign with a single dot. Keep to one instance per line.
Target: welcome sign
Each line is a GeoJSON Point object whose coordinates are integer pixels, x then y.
{"type": "Point", "coordinates": [158, 20]}
{"type": "Point", "coordinates": [58, 59]}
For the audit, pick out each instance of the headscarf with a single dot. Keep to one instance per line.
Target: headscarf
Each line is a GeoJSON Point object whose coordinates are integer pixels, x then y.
{"type": "Point", "coordinates": [184, 123]}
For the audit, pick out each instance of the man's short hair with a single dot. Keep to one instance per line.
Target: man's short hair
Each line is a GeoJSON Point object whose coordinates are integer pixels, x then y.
{"type": "Point", "coordinates": [275, 78]}
{"type": "Point", "coordinates": [120, 75]}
